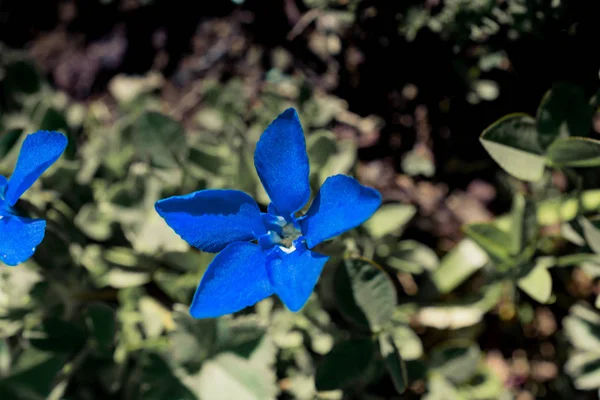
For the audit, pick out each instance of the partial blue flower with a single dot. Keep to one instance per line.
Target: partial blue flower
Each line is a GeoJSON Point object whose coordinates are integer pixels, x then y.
{"type": "Point", "coordinates": [19, 236]}
{"type": "Point", "coordinates": [267, 253]}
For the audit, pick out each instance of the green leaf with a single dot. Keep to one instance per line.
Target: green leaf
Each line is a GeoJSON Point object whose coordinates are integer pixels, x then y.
{"type": "Point", "coordinates": [154, 316]}
{"type": "Point", "coordinates": [210, 119]}
{"type": "Point", "coordinates": [585, 370]}
{"type": "Point", "coordinates": [390, 218]}
{"type": "Point", "coordinates": [563, 111]}
{"type": "Point", "coordinates": [57, 335]}
{"type": "Point", "coordinates": [241, 334]}
{"type": "Point", "coordinates": [342, 161]}
{"type": "Point", "coordinates": [126, 89]}
{"type": "Point", "coordinates": [567, 207]}
{"type": "Point", "coordinates": [320, 146]}
{"type": "Point", "coordinates": [415, 163]}
{"type": "Point", "coordinates": [207, 158]}
{"type": "Point", "coordinates": [120, 278]}
{"type": "Point", "coordinates": [582, 328]}
{"type": "Point", "coordinates": [8, 140]}
{"type": "Point", "coordinates": [157, 381]}
{"type": "Point", "coordinates": [229, 376]}
{"type": "Point", "coordinates": [102, 324]}
{"type": "Point", "coordinates": [15, 287]}
{"type": "Point", "coordinates": [365, 293]}
{"type": "Point", "coordinates": [53, 120]}
{"type": "Point", "coordinates": [160, 139]}
{"type": "Point", "coordinates": [393, 362]}
{"type": "Point", "coordinates": [407, 342]}
{"type": "Point", "coordinates": [5, 358]}
{"type": "Point", "coordinates": [485, 385]}
{"type": "Point", "coordinates": [462, 313]}
{"type": "Point", "coordinates": [181, 287]}
{"type": "Point", "coordinates": [537, 283]}
{"type": "Point", "coordinates": [460, 263]}
{"type": "Point", "coordinates": [22, 76]}
{"type": "Point", "coordinates": [153, 234]}
{"type": "Point", "coordinates": [457, 362]}
{"type": "Point", "coordinates": [441, 389]}
{"type": "Point", "coordinates": [95, 223]}
{"type": "Point", "coordinates": [496, 243]}
{"type": "Point", "coordinates": [192, 340]}
{"type": "Point", "coordinates": [34, 382]}
{"type": "Point", "coordinates": [344, 365]}
{"type": "Point", "coordinates": [575, 152]}
{"type": "Point", "coordinates": [591, 233]}
{"type": "Point", "coordinates": [512, 142]}
{"type": "Point", "coordinates": [412, 257]}
{"type": "Point", "coordinates": [573, 232]}
{"type": "Point", "coordinates": [524, 227]}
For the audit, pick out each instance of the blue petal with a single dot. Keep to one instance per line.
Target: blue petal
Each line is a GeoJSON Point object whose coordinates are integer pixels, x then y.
{"type": "Point", "coordinates": [211, 219]}
{"type": "Point", "coordinates": [19, 237]}
{"type": "Point", "coordinates": [294, 275]}
{"type": "Point", "coordinates": [39, 151]}
{"type": "Point", "coordinates": [342, 204]}
{"type": "Point", "coordinates": [3, 206]}
{"type": "Point", "coordinates": [282, 163]}
{"type": "Point", "coordinates": [235, 279]}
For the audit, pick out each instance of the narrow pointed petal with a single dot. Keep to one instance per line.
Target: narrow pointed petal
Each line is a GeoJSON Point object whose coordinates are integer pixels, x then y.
{"type": "Point", "coordinates": [211, 219]}
{"type": "Point", "coordinates": [294, 276]}
{"type": "Point", "coordinates": [39, 151]}
{"type": "Point", "coordinates": [282, 163]}
{"type": "Point", "coordinates": [342, 204]}
{"type": "Point", "coordinates": [235, 279]}
{"type": "Point", "coordinates": [19, 237]}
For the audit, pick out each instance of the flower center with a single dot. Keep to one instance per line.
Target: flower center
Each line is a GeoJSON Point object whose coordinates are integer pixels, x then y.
{"type": "Point", "coordinates": [280, 232]}
{"type": "Point", "coordinates": [290, 234]}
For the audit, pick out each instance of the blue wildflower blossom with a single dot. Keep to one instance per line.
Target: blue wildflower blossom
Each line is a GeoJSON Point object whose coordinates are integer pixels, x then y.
{"type": "Point", "coordinates": [19, 236]}
{"type": "Point", "coordinates": [267, 253]}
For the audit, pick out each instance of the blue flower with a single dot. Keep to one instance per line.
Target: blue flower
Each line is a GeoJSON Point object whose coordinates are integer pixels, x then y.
{"type": "Point", "coordinates": [19, 236]}
{"type": "Point", "coordinates": [267, 253]}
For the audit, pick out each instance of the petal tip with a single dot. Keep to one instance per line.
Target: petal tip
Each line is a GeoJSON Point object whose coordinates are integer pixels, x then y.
{"type": "Point", "coordinates": [289, 113]}
{"type": "Point", "coordinates": [60, 140]}
{"type": "Point", "coordinates": [200, 314]}
{"type": "Point", "coordinates": [158, 206]}
{"type": "Point", "coordinates": [296, 307]}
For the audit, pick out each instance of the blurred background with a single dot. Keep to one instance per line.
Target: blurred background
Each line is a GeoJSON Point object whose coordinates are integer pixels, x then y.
{"type": "Point", "coordinates": [160, 98]}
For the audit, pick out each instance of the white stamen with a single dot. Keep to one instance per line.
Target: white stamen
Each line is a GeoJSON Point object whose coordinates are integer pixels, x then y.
{"type": "Point", "coordinates": [288, 250]}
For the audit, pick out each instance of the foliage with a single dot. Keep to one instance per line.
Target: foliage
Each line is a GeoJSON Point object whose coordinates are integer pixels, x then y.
{"type": "Point", "coordinates": [101, 310]}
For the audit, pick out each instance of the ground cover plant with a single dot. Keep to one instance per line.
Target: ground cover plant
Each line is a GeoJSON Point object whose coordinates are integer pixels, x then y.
{"type": "Point", "coordinates": [393, 227]}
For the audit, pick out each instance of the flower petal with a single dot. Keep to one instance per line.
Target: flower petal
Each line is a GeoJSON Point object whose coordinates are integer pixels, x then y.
{"type": "Point", "coordinates": [294, 275]}
{"type": "Point", "coordinates": [235, 279]}
{"type": "Point", "coordinates": [342, 204]}
{"type": "Point", "coordinates": [3, 206]}
{"type": "Point", "coordinates": [19, 237]}
{"type": "Point", "coordinates": [211, 219]}
{"type": "Point", "coordinates": [282, 163]}
{"type": "Point", "coordinates": [39, 151]}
